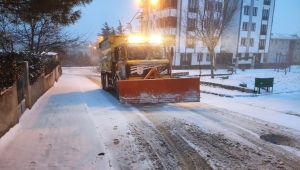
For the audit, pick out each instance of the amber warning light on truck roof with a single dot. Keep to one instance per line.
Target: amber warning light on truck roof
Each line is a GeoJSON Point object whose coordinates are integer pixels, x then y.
{"type": "Point", "coordinates": [153, 39]}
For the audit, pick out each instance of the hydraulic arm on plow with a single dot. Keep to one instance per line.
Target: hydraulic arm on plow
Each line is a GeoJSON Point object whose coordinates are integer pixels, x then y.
{"type": "Point", "coordinates": [138, 69]}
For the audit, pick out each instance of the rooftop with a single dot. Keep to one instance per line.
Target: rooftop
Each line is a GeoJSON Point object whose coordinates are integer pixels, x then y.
{"type": "Point", "coordinates": [285, 36]}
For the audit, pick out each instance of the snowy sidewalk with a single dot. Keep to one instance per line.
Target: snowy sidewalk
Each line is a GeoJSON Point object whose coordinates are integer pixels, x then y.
{"type": "Point", "coordinates": [57, 133]}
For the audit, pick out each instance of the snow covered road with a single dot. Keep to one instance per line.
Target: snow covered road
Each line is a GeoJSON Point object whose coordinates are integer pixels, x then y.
{"type": "Point", "coordinates": [77, 125]}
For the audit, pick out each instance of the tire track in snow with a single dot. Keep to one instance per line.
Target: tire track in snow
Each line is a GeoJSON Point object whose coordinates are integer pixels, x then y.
{"type": "Point", "coordinates": [187, 157]}
{"type": "Point", "coordinates": [250, 130]}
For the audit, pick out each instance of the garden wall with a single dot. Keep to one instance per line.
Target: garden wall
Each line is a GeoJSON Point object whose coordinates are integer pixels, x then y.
{"type": "Point", "coordinates": [58, 72]}
{"type": "Point", "coordinates": [35, 91]}
{"type": "Point", "coordinates": [49, 80]}
{"type": "Point", "coordinates": [9, 115]}
{"type": "Point", "coordinates": [10, 109]}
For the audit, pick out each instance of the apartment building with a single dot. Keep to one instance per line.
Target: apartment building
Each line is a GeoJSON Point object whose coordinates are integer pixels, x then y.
{"type": "Point", "coordinates": [244, 42]}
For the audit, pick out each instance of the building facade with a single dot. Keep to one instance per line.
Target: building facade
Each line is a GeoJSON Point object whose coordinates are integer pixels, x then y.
{"type": "Point", "coordinates": [245, 41]}
{"type": "Point", "coordinates": [284, 49]}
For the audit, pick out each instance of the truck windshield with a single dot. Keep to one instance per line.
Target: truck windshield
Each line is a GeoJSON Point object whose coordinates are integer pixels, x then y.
{"type": "Point", "coordinates": [145, 52]}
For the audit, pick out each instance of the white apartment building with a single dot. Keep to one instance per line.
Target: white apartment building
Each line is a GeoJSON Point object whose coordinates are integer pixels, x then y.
{"type": "Point", "coordinates": [244, 42]}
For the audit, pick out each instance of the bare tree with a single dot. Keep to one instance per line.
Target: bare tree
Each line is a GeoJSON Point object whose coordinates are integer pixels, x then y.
{"type": "Point", "coordinates": [212, 18]}
{"type": "Point", "coordinates": [7, 30]}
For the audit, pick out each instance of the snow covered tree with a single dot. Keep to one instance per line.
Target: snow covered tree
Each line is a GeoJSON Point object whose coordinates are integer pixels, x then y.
{"type": "Point", "coordinates": [105, 30]}
{"type": "Point", "coordinates": [120, 28]}
{"type": "Point", "coordinates": [113, 31]}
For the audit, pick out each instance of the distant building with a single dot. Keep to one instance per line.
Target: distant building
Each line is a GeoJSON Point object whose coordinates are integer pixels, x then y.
{"type": "Point", "coordinates": [246, 41]}
{"type": "Point", "coordinates": [284, 49]}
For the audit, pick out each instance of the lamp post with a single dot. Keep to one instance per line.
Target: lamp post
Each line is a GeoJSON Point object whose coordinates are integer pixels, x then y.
{"type": "Point", "coordinates": [146, 5]}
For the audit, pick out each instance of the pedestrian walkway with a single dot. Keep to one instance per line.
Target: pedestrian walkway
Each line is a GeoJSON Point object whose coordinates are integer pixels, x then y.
{"type": "Point", "coordinates": [57, 133]}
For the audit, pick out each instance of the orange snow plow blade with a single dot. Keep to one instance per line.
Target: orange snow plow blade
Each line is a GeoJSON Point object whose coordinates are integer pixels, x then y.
{"type": "Point", "coordinates": [159, 90]}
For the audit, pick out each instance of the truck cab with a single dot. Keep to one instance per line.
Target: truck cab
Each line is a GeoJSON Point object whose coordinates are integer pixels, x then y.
{"type": "Point", "coordinates": [132, 57]}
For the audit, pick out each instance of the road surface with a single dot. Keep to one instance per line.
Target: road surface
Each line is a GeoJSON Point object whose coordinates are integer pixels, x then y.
{"type": "Point", "coordinates": [77, 125]}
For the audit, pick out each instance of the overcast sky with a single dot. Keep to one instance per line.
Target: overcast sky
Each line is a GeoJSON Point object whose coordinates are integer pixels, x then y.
{"type": "Point", "coordinates": [286, 16]}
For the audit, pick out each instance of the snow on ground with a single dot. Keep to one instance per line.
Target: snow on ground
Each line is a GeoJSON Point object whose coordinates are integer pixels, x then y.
{"type": "Point", "coordinates": [282, 109]}
{"type": "Point", "coordinates": [280, 106]}
{"type": "Point", "coordinates": [282, 83]}
{"type": "Point", "coordinates": [81, 71]}
{"type": "Point", "coordinates": [77, 125]}
{"type": "Point", "coordinates": [57, 133]}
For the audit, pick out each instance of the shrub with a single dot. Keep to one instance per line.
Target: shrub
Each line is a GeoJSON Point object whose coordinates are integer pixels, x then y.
{"type": "Point", "coordinates": [8, 70]}
{"type": "Point", "coordinates": [36, 65]}
{"type": "Point", "coordinates": [50, 63]}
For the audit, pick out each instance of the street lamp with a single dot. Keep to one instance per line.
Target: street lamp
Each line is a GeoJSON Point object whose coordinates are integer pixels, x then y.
{"type": "Point", "coordinates": [147, 5]}
{"type": "Point", "coordinates": [100, 38]}
{"type": "Point", "coordinates": [154, 2]}
{"type": "Point", "coordinates": [140, 2]}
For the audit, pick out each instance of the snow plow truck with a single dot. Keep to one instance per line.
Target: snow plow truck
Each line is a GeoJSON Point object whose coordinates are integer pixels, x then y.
{"type": "Point", "coordinates": [138, 69]}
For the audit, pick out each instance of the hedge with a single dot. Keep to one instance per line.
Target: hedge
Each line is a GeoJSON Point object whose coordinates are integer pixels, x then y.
{"type": "Point", "coordinates": [9, 72]}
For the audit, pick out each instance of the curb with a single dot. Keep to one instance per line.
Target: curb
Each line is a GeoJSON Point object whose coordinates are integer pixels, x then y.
{"type": "Point", "coordinates": [242, 89]}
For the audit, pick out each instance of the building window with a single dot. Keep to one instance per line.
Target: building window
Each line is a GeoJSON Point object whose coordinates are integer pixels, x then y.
{"type": "Point", "coordinates": [251, 41]}
{"type": "Point", "coordinates": [191, 24]}
{"type": "Point", "coordinates": [245, 26]}
{"type": "Point", "coordinates": [208, 59]}
{"type": "Point", "coordinates": [246, 10]}
{"type": "Point", "coordinates": [262, 44]}
{"type": "Point", "coordinates": [185, 59]}
{"type": "Point", "coordinates": [254, 12]}
{"type": "Point", "coordinates": [219, 6]}
{"type": "Point", "coordinates": [200, 57]}
{"type": "Point", "coordinates": [243, 42]}
{"type": "Point", "coordinates": [263, 30]}
{"type": "Point", "coordinates": [265, 14]}
{"type": "Point", "coordinates": [247, 56]}
{"type": "Point", "coordinates": [267, 2]}
{"type": "Point", "coordinates": [247, 41]}
{"type": "Point", "coordinates": [193, 5]}
{"type": "Point", "coordinates": [253, 25]}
